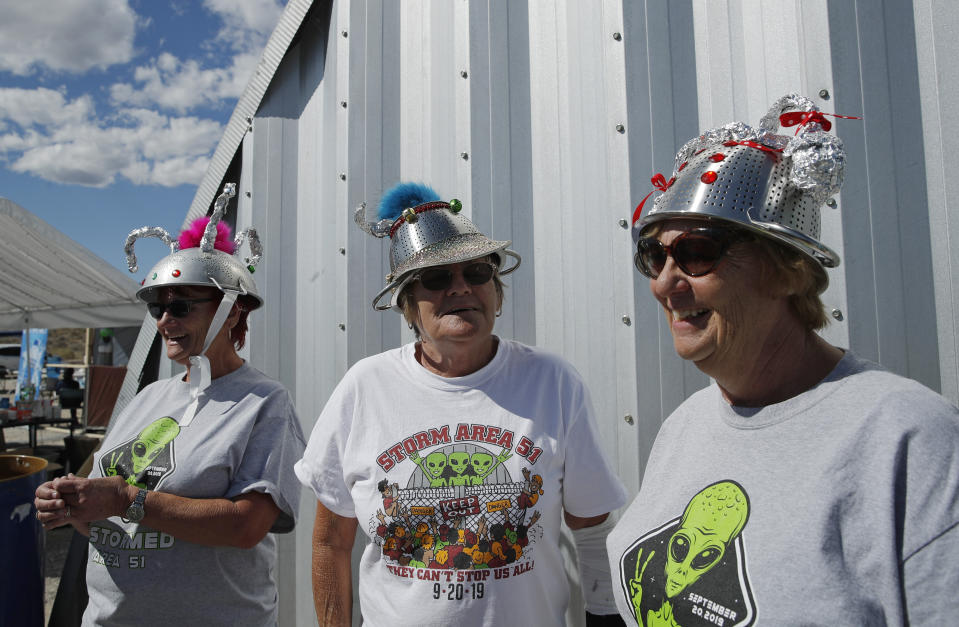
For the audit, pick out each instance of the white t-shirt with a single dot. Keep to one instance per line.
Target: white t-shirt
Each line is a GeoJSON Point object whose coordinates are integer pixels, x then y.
{"type": "Point", "coordinates": [460, 484]}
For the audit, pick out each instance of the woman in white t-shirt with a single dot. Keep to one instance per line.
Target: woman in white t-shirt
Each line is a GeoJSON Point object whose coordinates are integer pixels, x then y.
{"type": "Point", "coordinates": [458, 454]}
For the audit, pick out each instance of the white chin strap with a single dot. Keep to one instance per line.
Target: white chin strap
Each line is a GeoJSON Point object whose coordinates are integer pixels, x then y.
{"type": "Point", "coordinates": [199, 364]}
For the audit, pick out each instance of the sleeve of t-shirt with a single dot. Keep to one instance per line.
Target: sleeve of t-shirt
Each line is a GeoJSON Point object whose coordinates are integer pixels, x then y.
{"type": "Point", "coordinates": [931, 521]}
{"type": "Point", "coordinates": [275, 443]}
{"type": "Point", "coordinates": [321, 468]}
{"type": "Point", "coordinates": [931, 580]}
{"type": "Point", "coordinates": [590, 487]}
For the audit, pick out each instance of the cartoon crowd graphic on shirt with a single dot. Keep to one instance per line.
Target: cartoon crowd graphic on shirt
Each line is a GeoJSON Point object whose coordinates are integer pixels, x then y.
{"type": "Point", "coordinates": [451, 510]}
{"type": "Point", "coordinates": [692, 570]}
{"type": "Point", "coordinates": [146, 459]}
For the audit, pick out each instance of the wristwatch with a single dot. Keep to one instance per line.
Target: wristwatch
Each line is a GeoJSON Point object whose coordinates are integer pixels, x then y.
{"type": "Point", "coordinates": [135, 512]}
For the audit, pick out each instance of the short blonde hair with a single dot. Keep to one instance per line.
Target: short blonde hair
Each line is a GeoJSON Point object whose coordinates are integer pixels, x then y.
{"type": "Point", "coordinates": [797, 276]}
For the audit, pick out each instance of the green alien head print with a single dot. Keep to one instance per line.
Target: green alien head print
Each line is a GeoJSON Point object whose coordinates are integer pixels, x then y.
{"type": "Point", "coordinates": [146, 459]}
{"type": "Point", "coordinates": [692, 570]}
{"type": "Point", "coordinates": [712, 519]}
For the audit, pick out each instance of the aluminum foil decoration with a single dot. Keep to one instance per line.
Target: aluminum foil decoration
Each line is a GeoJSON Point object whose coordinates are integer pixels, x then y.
{"type": "Point", "coordinates": [425, 231]}
{"type": "Point", "coordinates": [769, 183]}
{"type": "Point", "coordinates": [202, 265]}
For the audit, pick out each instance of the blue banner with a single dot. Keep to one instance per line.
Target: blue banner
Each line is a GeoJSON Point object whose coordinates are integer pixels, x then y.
{"type": "Point", "coordinates": [33, 349]}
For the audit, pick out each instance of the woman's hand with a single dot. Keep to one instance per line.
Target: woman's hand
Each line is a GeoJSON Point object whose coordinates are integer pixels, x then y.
{"type": "Point", "coordinates": [77, 501]}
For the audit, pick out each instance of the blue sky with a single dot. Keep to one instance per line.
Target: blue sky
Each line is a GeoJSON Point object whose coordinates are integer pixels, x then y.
{"type": "Point", "coordinates": [110, 109]}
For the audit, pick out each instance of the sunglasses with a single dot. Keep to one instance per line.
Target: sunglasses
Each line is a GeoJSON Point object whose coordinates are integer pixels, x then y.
{"type": "Point", "coordinates": [439, 279]}
{"type": "Point", "coordinates": [697, 252]}
{"type": "Point", "coordinates": [176, 308]}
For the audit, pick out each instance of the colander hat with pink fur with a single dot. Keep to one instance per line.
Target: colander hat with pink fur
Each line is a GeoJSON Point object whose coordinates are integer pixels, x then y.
{"type": "Point", "coordinates": [204, 255]}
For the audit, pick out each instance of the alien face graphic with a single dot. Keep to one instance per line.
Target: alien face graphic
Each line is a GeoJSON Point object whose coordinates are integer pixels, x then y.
{"type": "Point", "coordinates": [436, 464]}
{"type": "Point", "coordinates": [713, 518]}
{"type": "Point", "coordinates": [151, 443]}
{"type": "Point", "coordinates": [482, 463]}
{"type": "Point", "coordinates": [459, 462]}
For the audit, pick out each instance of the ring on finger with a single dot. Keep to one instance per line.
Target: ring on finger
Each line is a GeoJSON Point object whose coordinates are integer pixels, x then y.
{"type": "Point", "coordinates": [68, 511]}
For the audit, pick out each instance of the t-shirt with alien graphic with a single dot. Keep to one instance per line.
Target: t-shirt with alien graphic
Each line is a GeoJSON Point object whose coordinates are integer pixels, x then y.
{"type": "Point", "coordinates": [460, 483]}
{"type": "Point", "coordinates": [836, 507]}
{"type": "Point", "coordinates": [245, 437]}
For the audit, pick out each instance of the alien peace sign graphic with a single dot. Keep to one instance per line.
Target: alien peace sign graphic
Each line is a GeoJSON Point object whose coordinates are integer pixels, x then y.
{"type": "Point", "coordinates": [692, 570]}
{"type": "Point", "coordinates": [145, 459]}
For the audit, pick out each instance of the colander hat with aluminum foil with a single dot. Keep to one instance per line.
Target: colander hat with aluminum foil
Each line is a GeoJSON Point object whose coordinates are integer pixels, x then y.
{"type": "Point", "coordinates": [425, 231]}
{"type": "Point", "coordinates": [770, 184]}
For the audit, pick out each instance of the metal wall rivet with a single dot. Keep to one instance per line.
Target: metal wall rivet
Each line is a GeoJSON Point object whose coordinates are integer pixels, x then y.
{"type": "Point", "coordinates": [824, 94]}
{"type": "Point", "coordinates": [464, 73]}
{"type": "Point", "coordinates": [342, 176]}
{"type": "Point", "coordinates": [837, 314]}
{"type": "Point", "coordinates": [344, 33]}
{"type": "Point", "coordinates": [618, 36]}
{"type": "Point", "coordinates": [831, 203]}
{"type": "Point", "coordinates": [628, 418]}
{"type": "Point", "coordinates": [464, 156]}
{"type": "Point", "coordinates": [249, 194]}
{"type": "Point", "coordinates": [342, 326]}
{"type": "Point", "coordinates": [342, 251]}
{"type": "Point", "coordinates": [620, 128]}
{"type": "Point", "coordinates": [623, 223]}
{"type": "Point", "coordinates": [343, 103]}
{"type": "Point", "coordinates": [626, 320]}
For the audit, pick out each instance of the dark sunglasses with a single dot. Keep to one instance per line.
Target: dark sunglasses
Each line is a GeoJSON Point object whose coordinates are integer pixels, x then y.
{"type": "Point", "coordinates": [177, 308]}
{"type": "Point", "coordinates": [697, 252]}
{"type": "Point", "coordinates": [439, 279]}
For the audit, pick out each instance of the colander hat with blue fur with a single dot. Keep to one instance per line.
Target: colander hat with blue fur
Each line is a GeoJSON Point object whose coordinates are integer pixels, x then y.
{"type": "Point", "coordinates": [426, 231]}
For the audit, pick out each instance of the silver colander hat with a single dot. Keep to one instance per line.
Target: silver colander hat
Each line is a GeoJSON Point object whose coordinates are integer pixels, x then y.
{"type": "Point", "coordinates": [203, 265]}
{"type": "Point", "coordinates": [425, 231]}
{"type": "Point", "coordinates": [770, 184]}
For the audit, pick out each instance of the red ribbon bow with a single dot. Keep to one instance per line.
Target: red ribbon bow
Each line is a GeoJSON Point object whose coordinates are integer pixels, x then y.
{"type": "Point", "coordinates": [659, 182]}
{"type": "Point", "coordinates": [802, 118]}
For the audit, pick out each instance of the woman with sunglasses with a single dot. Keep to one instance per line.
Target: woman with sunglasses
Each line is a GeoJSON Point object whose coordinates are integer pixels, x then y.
{"type": "Point", "coordinates": [459, 454]}
{"type": "Point", "coordinates": [198, 468]}
{"type": "Point", "coordinates": [805, 485]}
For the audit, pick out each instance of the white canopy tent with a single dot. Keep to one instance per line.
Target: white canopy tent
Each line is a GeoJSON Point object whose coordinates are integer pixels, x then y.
{"type": "Point", "coordinates": [51, 281]}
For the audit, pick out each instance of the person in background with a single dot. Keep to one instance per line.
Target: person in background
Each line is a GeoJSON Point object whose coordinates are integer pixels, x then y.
{"type": "Point", "coordinates": [459, 454]}
{"type": "Point", "coordinates": [805, 485]}
{"type": "Point", "coordinates": [197, 469]}
{"type": "Point", "coordinates": [69, 393]}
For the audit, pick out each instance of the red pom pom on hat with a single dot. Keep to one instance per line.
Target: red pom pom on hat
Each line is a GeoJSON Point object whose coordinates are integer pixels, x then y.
{"type": "Point", "coordinates": [190, 237]}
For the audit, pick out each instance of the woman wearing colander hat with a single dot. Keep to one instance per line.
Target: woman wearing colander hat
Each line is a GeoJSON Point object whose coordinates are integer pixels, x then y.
{"type": "Point", "coordinates": [197, 469]}
{"type": "Point", "coordinates": [805, 485]}
{"type": "Point", "coordinates": [458, 454]}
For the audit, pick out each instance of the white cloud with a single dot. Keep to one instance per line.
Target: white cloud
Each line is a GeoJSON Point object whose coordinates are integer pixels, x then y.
{"type": "Point", "coordinates": [248, 24]}
{"type": "Point", "coordinates": [63, 141]}
{"type": "Point", "coordinates": [176, 85]}
{"type": "Point", "coordinates": [42, 107]}
{"type": "Point", "coordinates": [182, 85]}
{"type": "Point", "coordinates": [65, 35]}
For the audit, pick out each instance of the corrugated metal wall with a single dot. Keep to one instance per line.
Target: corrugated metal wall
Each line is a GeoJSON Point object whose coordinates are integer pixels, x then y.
{"type": "Point", "coordinates": [547, 119]}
